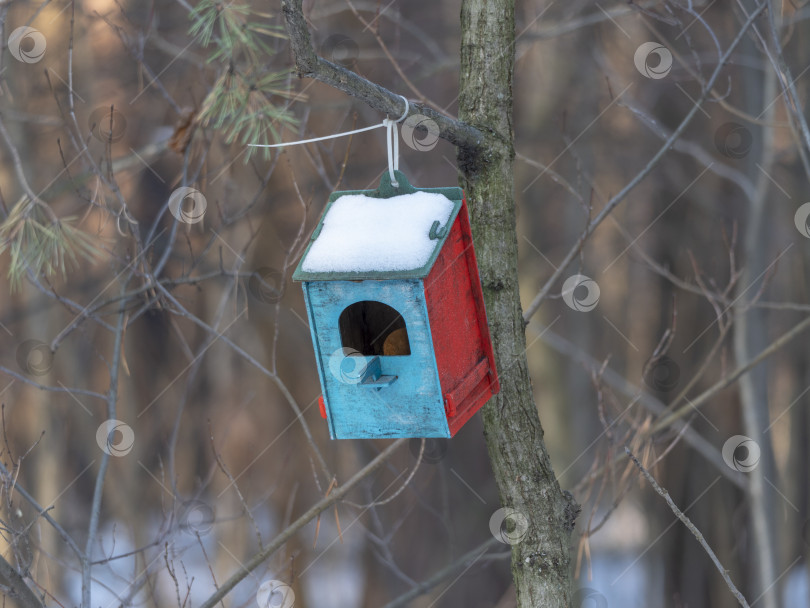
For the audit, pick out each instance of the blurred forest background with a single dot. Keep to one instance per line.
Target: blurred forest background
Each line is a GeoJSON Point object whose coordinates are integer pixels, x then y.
{"type": "Point", "coordinates": [702, 267]}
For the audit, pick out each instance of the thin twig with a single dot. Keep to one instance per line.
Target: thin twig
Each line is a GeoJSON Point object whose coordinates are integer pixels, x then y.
{"type": "Point", "coordinates": [52, 389]}
{"type": "Point", "coordinates": [675, 417]}
{"type": "Point", "coordinates": [323, 504]}
{"type": "Point", "coordinates": [651, 164]}
{"type": "Point", "coordinates": [464, 562]}
{"type": "Point", "coordinates": [649, 401]}
{"type": "Point", "coordinates": [19, 591]}
{"type": "Point", "coordinates": [692, 528]}
{"type": "Point", "coordinates": [379, 503]}
{"type": "Point", "coordinates": [98, 491]}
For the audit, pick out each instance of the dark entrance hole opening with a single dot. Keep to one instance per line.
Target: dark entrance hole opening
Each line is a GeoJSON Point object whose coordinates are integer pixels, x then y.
{"type": "Point", "coordinates": [373, 328]}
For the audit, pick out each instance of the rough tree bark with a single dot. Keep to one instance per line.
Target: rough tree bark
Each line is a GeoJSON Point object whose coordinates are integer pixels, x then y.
{"type": "Point", "coordinates": [483, 134]}
{"type": "Point", "coordinates": [520, 462]}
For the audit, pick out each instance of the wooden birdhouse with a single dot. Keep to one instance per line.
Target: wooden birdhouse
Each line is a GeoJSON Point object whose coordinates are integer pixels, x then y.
{"type": "Point", "coordinates": [396, 313]}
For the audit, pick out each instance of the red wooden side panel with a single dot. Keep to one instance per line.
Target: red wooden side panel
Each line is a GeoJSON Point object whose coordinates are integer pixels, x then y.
{"type": "Point", "coordinates": [458, 323]}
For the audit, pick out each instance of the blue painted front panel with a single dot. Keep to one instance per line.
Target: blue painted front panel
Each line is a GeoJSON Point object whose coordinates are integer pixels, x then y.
{"type": "Point", "coordinates": [410, 407]}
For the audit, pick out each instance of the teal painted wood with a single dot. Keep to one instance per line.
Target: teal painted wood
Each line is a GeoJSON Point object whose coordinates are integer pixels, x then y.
{"type": "Point", "coordinates": [316, 343]}
{"type": "Point", "coordinates": [411, 406]}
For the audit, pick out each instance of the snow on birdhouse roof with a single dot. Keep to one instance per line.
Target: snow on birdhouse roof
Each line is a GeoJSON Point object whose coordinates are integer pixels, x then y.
{"type": "Point", "coordinates": [361, 236]}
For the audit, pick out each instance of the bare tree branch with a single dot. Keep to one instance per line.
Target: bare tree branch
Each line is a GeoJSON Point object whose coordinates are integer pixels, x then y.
{"type": "Point", "coordinates": [95, 510]}
{"type": "Point", "coordinates": [694, 404]}
{"type": "Point", "coordinates": [692, 528]}
{"type": "Point", "coordinates": [43, 511]}
{"type": "Point", "coordinates": [19, 590]}
{"type": "Point", "coordinates": [463, 563]}
{"type": "Point", "coordinates": [649, 401]}
{"type": "Point", "coordinates": [309, 65]}
{"type": "Point", "coordinates": [651, 164]}
{"type": "Point", "coordinates": [316, 509]}
{"type": "Point", "coordinates": [733, 376]}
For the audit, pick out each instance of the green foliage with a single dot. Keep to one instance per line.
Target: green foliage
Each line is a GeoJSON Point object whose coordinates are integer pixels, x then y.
{"type": "Point", "coordinates": [40, 242]}
{"type": "Point", "coordinates": [240, 103]}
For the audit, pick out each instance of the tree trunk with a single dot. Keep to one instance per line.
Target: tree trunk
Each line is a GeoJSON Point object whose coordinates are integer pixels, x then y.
{"type": "Point", "coordinates": [527, 484]}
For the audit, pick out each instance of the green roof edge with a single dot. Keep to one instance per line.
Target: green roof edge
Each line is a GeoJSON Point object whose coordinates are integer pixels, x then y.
{"type": "Point", "coordinates": [385, 190]}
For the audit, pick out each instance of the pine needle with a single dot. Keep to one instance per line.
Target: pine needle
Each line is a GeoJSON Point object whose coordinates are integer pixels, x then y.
{"type": "Point", "coordinates": [240, 102]}
{"type": "Point", "coordinates": [42, 243]}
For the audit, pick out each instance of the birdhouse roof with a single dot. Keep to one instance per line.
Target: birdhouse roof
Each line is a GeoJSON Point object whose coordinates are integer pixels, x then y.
{"type": "Point", "coordinates": [388, 233]}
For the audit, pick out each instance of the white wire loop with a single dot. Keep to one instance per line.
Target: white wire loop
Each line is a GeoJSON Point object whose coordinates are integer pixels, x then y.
{"type": "Point", "coordinates": [407, 107]}
{"type": "Point", "coordinates": [392, 148]}
{"type": "Point", "coordinates": [333, 136]}
{"type": "Point", "coordinates": [391, 145]}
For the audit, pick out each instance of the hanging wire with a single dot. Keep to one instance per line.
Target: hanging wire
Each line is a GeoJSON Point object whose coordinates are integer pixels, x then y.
{"type": "Point", "coordinates": [384, 123]}
{"type": "Point", "coordinates": [391, 146]}
{"type": "Point", "coordinates": [392, 149]}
